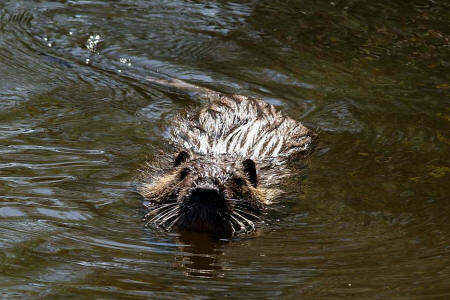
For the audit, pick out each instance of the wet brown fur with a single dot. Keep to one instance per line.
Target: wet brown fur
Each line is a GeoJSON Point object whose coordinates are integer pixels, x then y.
{"type": "Point", "coordinates": [209, 181]}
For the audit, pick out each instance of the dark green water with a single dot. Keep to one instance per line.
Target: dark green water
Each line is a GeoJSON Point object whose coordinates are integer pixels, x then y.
{"type": "Point", "coordinates": [78, 117]}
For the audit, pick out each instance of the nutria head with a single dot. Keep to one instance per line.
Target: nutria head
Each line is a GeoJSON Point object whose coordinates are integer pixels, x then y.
{"type": "Point", "coordinates": [215, 194]}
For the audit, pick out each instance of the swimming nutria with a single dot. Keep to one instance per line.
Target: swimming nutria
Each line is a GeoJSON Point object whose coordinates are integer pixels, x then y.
{"type": "Point", "coordinates": [228, 158]}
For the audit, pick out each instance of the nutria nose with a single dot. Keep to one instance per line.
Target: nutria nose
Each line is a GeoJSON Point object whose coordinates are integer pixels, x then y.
{"type": "Point", "coordinates": [206, 195]}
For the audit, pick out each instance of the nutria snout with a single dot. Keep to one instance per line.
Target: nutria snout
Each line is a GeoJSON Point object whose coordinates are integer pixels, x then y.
{"type": "Point", "coordinates": [229, 159]}
{"type": "Point", "coordinates": [205, 194]}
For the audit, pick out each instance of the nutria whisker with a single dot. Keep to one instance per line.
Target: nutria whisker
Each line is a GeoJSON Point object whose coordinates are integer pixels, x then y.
{"type": "Point", "coordinates": [247, 207]}
{"type": "Point", "coordinates": [168, 218]}
{"type": "Point", "coordinates": [167, 214]}
{"type": "Point", "coordinates": [247, 213]}
{"type": "Point", "coordinates": [168, 228]}
{"type": "Point", "coordinates": [235, 200]}
{"type": "Point", "coordinates": [241, 203]}
{"type": "Point", "coordinates": [232, 227]}
{"type": "Point", "coordinates": [156, 213]}
{"type": "Point", "coordinates": [252, 225]}
{"type": "Point", "coordinates": [242, 226]}
{"type": "Point", "coordinates": [159, 209]}
{"type": "Point", "coordinates": [162, 215]}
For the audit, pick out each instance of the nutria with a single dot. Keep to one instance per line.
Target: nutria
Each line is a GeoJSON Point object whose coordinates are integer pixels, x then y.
{"type": "Point", "coordinates": [227, 161]}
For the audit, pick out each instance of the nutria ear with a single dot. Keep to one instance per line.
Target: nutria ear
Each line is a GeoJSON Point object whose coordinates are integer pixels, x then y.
{"type": "Point", "coordinates": [181, 158]}
{"type": "Point", "coordinates": [250, 170]}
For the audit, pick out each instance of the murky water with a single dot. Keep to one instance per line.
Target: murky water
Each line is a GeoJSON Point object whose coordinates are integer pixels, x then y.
{"type": "Point", "coordinates": [78, 117]}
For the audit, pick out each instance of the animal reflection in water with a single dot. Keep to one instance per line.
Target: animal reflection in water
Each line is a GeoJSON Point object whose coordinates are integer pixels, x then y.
{"type": "Point", "coordinates": [201, 255]}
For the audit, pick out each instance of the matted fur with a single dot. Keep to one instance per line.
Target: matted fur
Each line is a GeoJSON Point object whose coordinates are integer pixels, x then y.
{"type": "Point", "coordinates": [219, 146]}
{"type": "Point", "coordinates": [240, 126]}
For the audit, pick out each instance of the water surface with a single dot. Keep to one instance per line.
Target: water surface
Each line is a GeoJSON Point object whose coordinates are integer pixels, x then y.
{"type": "Point", "coordinates": [78, 118]}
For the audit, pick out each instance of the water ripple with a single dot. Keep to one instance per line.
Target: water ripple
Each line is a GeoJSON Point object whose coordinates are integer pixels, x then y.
{"type": "Point", "coordinates": [78, 117]}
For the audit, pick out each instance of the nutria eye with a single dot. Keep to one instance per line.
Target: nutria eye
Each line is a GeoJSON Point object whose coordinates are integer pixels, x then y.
{"type": "Point", "coordinates": [182, 157]}
{"type": "Point", "coordinates": [250, 170]}
{"type": "Point", "coordinates": [183, 173]}
{"type": "Point", "coordinates": [238, 180]}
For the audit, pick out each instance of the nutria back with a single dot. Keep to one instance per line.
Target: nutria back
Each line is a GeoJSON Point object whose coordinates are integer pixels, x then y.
{"type": "Point", "coordinates": [242, 127]}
